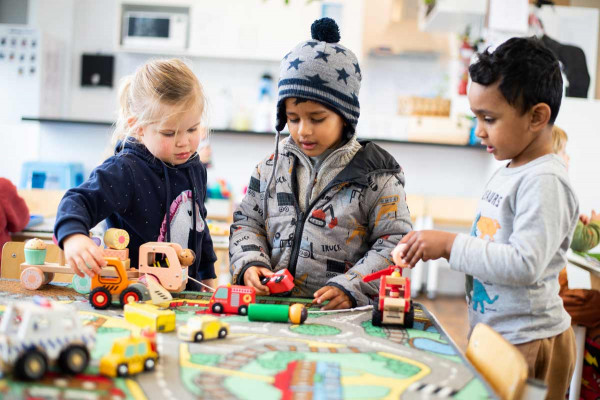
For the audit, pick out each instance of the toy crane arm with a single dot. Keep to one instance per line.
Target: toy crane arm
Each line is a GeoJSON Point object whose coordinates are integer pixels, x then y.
{"type": "Point", "coordinates": [379, 274]}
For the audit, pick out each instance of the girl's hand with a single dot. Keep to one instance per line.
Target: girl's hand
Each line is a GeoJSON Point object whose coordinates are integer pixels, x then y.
{"type": "Point", "coordinates": [208, 282]}
{"type": "Point", "coordinates": [337, 298]}
{"type": "Point", "coordinates": [595, 217]}
{"type": "Point", "coordinates": [253, 276]}
{"type": "Point", "coordinates": [83, 255]}
{"type": "Point", "coordinates": [426, 245]}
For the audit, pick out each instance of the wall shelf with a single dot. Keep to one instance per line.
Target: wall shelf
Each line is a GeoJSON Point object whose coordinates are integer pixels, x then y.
{"type": "Point", "coordinates": [253, 133]}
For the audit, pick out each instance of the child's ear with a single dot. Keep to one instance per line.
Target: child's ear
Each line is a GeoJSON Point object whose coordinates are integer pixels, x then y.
{"type": "Point", "coordinates": [540, 116]}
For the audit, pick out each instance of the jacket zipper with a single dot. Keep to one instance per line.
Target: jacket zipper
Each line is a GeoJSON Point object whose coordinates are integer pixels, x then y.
{"type": "Point", "coordinates": [300, 226]}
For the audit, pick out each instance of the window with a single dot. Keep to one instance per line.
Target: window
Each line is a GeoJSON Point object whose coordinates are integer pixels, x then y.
{"type": "Point", "coordinates": [130, 351]}
{"type": "Point", "coordinates": [221, 293]}
{"type": "Point", "coordinates": [142, 348]}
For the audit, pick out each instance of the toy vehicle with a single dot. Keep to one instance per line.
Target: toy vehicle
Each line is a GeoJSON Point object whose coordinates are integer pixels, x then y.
{"type": "Point", "coordinates": [129, 356]}
{"type": "Point", "coordinates": [167, 262]}
{"type": "Point", "coordinates": [280, 282]}
{"type": "Point", "coordinates": [394, 305]}
{"type": "Point", "coordinates": [34, 335]}
{"type": "Point", "coordinates": [203, 327]}
{"type": "Point", "coordinates": [232, 299]}
{"type": "Point", "coordinates": [115, 281]}
{"type": "Point", "coordinates": [151, 316]}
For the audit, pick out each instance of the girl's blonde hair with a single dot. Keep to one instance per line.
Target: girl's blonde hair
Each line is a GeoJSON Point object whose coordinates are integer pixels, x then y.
{"type": "Point", "coordinates": [154, 85]}
{"type": "Point", "coordinates": [559, 139]}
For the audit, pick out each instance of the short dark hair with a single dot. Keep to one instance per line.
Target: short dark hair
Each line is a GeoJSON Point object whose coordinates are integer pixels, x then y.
{"type": "Point", "coordinates": [529, 73]}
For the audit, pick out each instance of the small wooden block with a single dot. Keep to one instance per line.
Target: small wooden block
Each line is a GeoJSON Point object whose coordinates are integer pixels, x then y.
{"type": "Point", "coordinates": [120, 254]}
{"type": "Point", "coordinates": [13, 256]}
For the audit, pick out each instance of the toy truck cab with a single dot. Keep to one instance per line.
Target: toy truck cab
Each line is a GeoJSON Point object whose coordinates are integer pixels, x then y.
{"type": "Point", "coordinates": [280, 282]}
{"type": "Point", "coordinates": [394, 305]}
{"type": "Point", "coordinates": [34, 335]}
{"type": "Point", "coordinates": [161, 260]}
{"type": "Point", "coordinates": [116, 280]}
{"type": "Point", "coordinates": [233, 299]}
{"type": "Point", "coordinates": [203, 327]}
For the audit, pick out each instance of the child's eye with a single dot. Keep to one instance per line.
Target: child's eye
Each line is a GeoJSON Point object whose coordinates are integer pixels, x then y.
{"type": "Point", "coordinates": [192, 130]}
{"type": "Point", "coordinates": [168, 134]}
{"type": "Point", "coordinates": [316, 121]}
{"type": "Point", "coordinates": [294, 121]}
{"type": "Point", "coordinates": [489, 120]}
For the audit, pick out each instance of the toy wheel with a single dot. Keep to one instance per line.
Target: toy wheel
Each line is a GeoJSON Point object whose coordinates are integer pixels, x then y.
{"type": "Point", "coordinates": [100, 298]}
{"type": "Point", "coordinates": [377, 314]}
{"type": "Point", "coordinates": [243, 310]}
{"type": "Point", "coordinates": [32, 278]}
{"type": "Point", "coordinates": [217, 308]}
{"type": "Point", "coordinates": [81, 284]}
{"type": "Point", "coordinates": [122, 370]}
{"type": "Point", "coordinates": [143, 290]}
{"type": "Point", "coordinates": [409, 318]}
{"type": "Point", "coordinates": [130, 295]}
{"type": "Point", "coordinates": [48, 277]}
{"type": "Point", "coordinates": [74, 359]}
{"type": "Point", "coordinates": [222, 333]}
{"type": "Point", "coordinates": [31, 366]}
{"type": "Point", "coordinates": [199, 337]}
{"type": "Point", "coordinates": [149, 364]}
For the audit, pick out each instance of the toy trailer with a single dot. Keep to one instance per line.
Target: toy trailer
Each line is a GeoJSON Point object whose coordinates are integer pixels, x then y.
{"type": "Point", "coordinates": [34, 335]}
{"type": "Point", "coordinates": [394, 305]}
{"type": "Point", "coordinates": [169, 272]}
{"type": "Point", "coordinates": [232, 299]}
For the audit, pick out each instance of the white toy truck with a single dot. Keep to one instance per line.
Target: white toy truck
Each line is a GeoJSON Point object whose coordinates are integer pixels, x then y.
{"type": "Point", "coordinates": [35, 334]}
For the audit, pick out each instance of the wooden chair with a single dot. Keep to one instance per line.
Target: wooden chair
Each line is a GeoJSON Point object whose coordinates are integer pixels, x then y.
{"type": "Point", "coordinates": [502, 365]}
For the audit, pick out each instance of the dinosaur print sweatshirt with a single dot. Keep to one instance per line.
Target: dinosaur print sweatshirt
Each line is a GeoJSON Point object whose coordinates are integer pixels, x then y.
{"type": "Point", "coordinates": [519, 239]}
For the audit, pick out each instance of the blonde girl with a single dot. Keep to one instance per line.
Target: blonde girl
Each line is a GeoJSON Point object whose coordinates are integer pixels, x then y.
{"type": "Point", "coordinates": [154, 186]}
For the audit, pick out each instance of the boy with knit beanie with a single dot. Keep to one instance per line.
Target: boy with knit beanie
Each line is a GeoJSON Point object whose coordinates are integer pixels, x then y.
{"type": "Point", "coordinates": [325, 206]}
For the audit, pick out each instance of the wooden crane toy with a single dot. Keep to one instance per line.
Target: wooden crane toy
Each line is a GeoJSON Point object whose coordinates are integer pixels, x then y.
{"type": "Point", "coordinates": [394, 305]}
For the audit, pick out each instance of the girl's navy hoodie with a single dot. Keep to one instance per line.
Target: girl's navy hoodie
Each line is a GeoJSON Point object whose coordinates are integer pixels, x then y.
{"type": "Point", "coordinates": [135, 191]}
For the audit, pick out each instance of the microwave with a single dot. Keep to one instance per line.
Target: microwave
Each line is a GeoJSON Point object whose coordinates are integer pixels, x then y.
{"type": "Point", "coordinates": [150, 29]}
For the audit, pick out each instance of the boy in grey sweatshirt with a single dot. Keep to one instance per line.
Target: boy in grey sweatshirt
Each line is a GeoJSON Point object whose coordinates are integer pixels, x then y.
{"type": "Point", "coordinates": [526, 216]}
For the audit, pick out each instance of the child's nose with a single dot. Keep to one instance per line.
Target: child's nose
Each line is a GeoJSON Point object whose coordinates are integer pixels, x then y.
{"type": "Point", "coordinates": [479, 131]}
{"type": "Point", "coordinates": [304, 128]}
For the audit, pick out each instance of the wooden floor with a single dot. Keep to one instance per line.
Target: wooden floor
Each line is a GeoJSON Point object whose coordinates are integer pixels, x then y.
{"type": "Point", "coordinates": [451, 312]}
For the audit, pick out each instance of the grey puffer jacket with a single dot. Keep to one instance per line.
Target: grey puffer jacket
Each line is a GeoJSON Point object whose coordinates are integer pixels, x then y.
{"type": "Point", "coordinates": [347, 231]}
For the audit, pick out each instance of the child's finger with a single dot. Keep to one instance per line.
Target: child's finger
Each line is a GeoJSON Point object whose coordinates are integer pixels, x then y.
{"type": "Point", "coordinates": [254, 280]}
{"type": "Point", "coordinates": [407, 237]}
{"type": "Point", "coordinates": [334, 303]}
{"type": "Point", "coordinates": [76, 270]}
{"type": "Point", "coordinates": [98, 256]}
{"type": "Point", "coordinates": [320, 291]}
{"type": "Point", "coordinates": [397, 253]}
{"type": "Point", "coordinates": [410, 251]}
{"type": "Point", "coordinates": [81, 264]}
{"type": "Point", "coordinates": [416, 257]}
{"type": "Point", "coordinates": [328, 295]}
{"type": "Point", "coordinates": [90, 262]}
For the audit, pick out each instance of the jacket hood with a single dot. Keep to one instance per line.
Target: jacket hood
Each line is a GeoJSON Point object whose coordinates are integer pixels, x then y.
{"type": "Point", "coordinates": [370, 159]}
{"type": "Point", "coordinates": [133, 146]}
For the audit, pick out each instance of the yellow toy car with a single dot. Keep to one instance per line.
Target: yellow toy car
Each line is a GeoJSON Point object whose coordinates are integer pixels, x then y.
{"type": "Point", "coordinates": [203, 327]}
{"type": "Point", "coordinates": [128, 356]}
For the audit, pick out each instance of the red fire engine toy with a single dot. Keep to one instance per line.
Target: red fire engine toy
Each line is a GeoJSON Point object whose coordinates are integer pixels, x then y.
{"type": "Point", "coordinates": [232, 299]}
{"type": "Point", "coordinates": [280, 282]}
{"type": "Point", "coordinates": [393, 306]}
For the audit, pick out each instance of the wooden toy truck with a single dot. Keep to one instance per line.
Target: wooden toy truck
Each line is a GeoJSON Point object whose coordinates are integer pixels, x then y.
{"type": "Point", "coordinates": [394, 305]}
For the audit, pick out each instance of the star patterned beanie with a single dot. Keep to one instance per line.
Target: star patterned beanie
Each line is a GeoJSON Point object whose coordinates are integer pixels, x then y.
{"type": "Point", "coordinates": [321, 70]}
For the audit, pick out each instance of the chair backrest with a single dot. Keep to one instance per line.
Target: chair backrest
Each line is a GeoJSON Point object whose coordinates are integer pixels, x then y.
{"type": "Point", "coordinates": [500, 363]}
